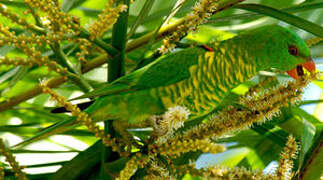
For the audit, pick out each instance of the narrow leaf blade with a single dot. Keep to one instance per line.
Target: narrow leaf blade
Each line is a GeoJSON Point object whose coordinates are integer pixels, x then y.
{"type": "Point", "coordinates": [286, 17]}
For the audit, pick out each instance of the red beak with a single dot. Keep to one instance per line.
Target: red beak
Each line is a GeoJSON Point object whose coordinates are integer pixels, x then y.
{"type": "Point", "coordinates": [309, 66]}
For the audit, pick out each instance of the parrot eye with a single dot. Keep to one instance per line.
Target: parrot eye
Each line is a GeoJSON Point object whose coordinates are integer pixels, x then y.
{"type": "Point", "coordinates": [293, 50]}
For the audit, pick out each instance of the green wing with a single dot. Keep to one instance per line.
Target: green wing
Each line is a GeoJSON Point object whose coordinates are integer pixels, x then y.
{"type": "Point", "coordinates": [166, 70]}
{"type": "Point", "coordinates": [170, 69]}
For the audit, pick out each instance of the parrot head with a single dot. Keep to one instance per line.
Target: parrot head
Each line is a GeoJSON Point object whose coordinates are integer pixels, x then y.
{"type": "Point", "coordinates": [284, 50]}
{"type": "Point", "coordinates": [297, 54]}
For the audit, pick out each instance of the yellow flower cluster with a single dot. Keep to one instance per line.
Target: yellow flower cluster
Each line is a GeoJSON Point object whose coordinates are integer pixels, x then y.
{"type": "Point", "coordinates": [221, 172]}
{"type": "Point", "coordinates": [83, 118]}
{"type": "Point", "coordinates": [58, 36]}
{"type": "Point", "coordinates": [58, 20]}
{"type": "Point", "coordinates": [84, 49]}
{"type": "Point", "coordinates": [106, 19]}
{"type": "Point", "coordinates": [175, 117]}
{"type": "Point", "coordinates": [217, 172]}
{"type": "Point", "coordinates": [259, 109]}
{"type": "Point", "coordinates": [165, 125]}
{"type": "Point", "coordinates": [52, 65]}
{"type": "Point", "coordinates": [5, 31]}
{"type": "Point", "coordinates": [33, 39]}
{"type": "Point", "coordinates": [260, 86]}
{"type": "Point", "coordinates": [137, 161]}
{"type": "Point", "coordinates": [199, 15]}
{"type": "Point", "coordinates": [34, 56]}
{"type": "Point", "coordinates": [176, 148]}
{"type": "Point", "coordinates": [314, 41]}
{"type": "Point", "coordinates": [285, 163]}
{"type": "Point", "coordinates": [188, 168]}
{"type": "Point", "coordinates": [157, 172]}
{"type": "Point", "coordinates": [20, 175]}
{"type": "Point", "coordinates": [229, 119]}
{"type": "Point", "coordinates": [283, 171]}
{"type": "Point", "coordinates": [234, 173]}
{"type": "Point", "coordinates": [172, 150]}
{"type": "Point", "coordinates": [15, 18]}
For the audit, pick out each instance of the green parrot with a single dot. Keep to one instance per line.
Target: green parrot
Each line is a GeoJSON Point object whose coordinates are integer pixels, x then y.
{"type": "Point", "coordinates": [199, 79]}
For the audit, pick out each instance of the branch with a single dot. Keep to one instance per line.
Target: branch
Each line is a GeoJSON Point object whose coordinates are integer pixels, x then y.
{"type": "Point", "coordinates": [52, 83]}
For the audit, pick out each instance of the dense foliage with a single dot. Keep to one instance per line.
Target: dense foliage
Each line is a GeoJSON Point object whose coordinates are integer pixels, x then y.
{"type": "Point", "coordinates": [54, 50]}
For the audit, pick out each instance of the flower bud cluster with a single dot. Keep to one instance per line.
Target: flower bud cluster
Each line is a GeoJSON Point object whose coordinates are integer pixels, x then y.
{"type": "Point", "coordinates": [136, 161]}
{"type": "Point", "coordinates": [15, 167]}
{"type": "Point", "coordinates": [176, 148]}
{"type": "Point", "coordinates": [15, 18]}
{"type": "Point", "coordinates": [106, 19]}
{"type": "Point", "coordinates": [258, 109]}
{"type": "Point", "coordinates": [201, 12]}
{"type": "Point", "coordinates": [285, 163]}
{"type": "Point", "coordinates": [83, 118]}
{"type": "Point", "coordinates": [314, 41]}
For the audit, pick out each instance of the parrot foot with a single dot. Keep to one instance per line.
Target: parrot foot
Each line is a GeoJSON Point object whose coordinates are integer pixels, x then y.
{"type": "Point", "coordinates": [122, 128]}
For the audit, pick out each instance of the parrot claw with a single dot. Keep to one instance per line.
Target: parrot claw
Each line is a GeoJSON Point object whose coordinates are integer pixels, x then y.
{"type": "Point", "coordinates": [122, 128]}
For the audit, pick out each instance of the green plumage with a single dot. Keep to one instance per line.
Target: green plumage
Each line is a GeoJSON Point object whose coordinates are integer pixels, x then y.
{"type": "Point", "coordinates": [196, 78]}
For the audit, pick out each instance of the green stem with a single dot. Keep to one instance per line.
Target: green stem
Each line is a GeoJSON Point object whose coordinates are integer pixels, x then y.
{"type": "Point", "coordinates": [61, 58]}
{"type": "Point", "coordinates": [119, 40]}
{"type": "Point", "coordinates": [112, 51]}
{"type": "Point", "coordinates": [77, 79]}
{"type": "Point", "coordinates": [36, 17]}
{"type": "Point", "coordinates": [116, 69]}
{"type": "Point", "coordinates": [142, 15]}
{"type": "Point", "coordinates": [74, 75]}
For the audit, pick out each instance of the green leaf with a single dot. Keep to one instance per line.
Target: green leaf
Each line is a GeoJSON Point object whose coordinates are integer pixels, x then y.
{"type": "Point", "coordinates": [307, 129]}
{"type": "Point", "coordinates": [288, 18]}
{"type": "Point", "coordinates": [9, 74]}
{"type": "Point", "coordinates": [229, 158]}
{"type": "Point", "coordinates": [40, 151]}
{"type": "Point", "coordinates": [67, 5]}
{"type": "Point", "coordinates": [306, 140]}
{"type": "Point", "coordinates": [80, 165]}
{"type": "Point", "coordinates": [13, 3]}
{"type": "Point", "coordinates": [143, 13]}
{"type": "Point", "coordinates": [307, 102]}
{"type": "Point", "coordinates": [51, 130]}
{"type": "Point", "coordinates": [207, 34]}
{"type": "Point", "coordinates": [118, 41]}
{"type": "Point", "coordinates": [298, 111]}
{"type": "Point", "coordinates": [22, 71]}
{"type": "Point", "coordinates": [293, 9]}
{"type": "Point", "coordinates": [312, 168]}
{"type": "Point", "coordinates": [116, 166]}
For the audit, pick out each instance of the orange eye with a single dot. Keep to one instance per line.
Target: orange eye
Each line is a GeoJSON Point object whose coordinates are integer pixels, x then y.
{"type": "Point", "coordinates": [293, 50]}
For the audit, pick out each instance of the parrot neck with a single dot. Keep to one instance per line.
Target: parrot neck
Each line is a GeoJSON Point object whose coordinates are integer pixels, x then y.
{"type": "Point", "coordinates": [251, 49]}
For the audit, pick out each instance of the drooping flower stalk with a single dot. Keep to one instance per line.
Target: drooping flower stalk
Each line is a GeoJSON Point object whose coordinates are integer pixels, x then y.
{"type": "Point", "coordinates": [15, 167]}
